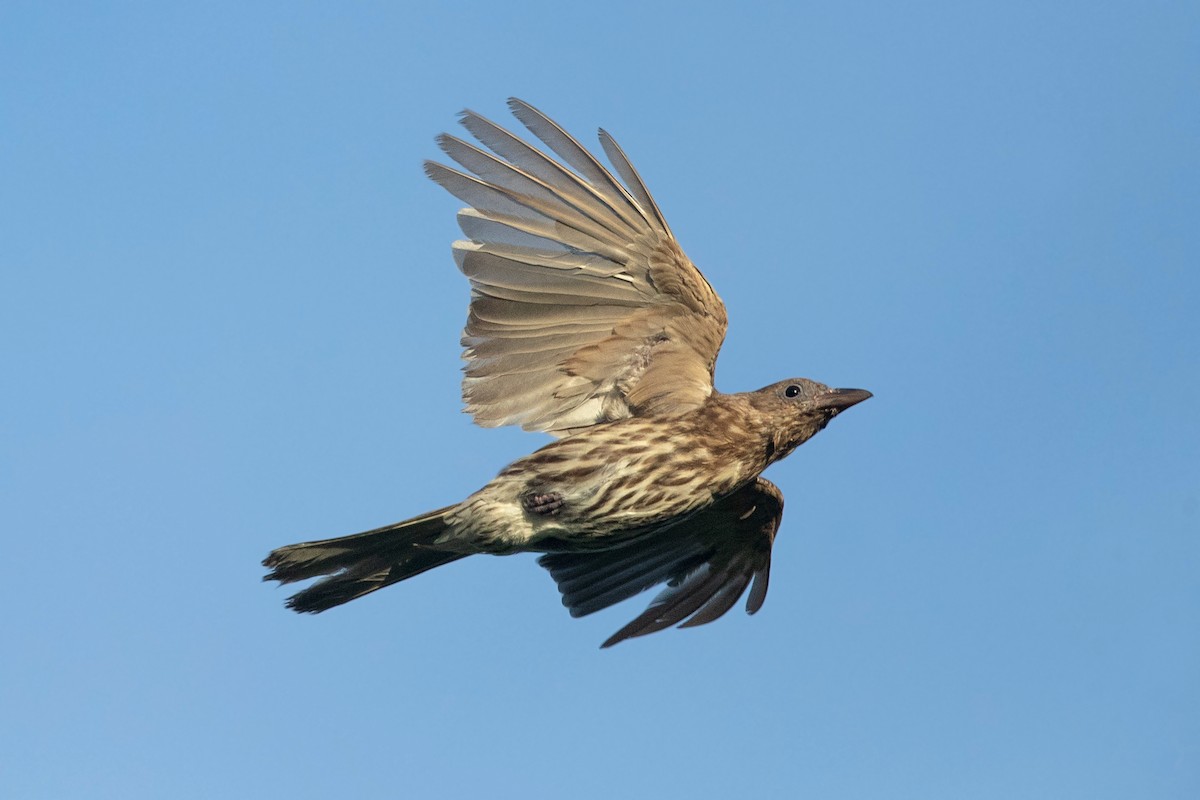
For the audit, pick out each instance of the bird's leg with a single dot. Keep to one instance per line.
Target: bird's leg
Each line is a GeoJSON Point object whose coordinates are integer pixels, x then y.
{"type": "Point", "coordinates": [544, 503]}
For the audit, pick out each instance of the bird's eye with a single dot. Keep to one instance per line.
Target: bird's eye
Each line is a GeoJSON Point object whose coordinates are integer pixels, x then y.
{"type": "Point", "coordinates": [791, 391]}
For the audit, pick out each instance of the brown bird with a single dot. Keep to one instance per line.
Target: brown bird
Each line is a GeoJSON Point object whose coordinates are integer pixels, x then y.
{"type": "Point", "coordinates": [587, 321]}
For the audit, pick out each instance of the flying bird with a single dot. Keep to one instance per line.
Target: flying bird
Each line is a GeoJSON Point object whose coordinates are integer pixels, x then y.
{"type": "Point", "coordinates": [588, 322]}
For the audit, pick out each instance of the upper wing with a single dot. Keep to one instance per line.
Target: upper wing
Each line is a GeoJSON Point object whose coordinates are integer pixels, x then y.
{"type": "Point", "coordinates": [584, 309]}
{"type": "Point", "coordinates": [707, 561]}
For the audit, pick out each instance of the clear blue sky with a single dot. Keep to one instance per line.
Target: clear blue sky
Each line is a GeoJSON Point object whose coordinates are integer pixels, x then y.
{"type": "Point", "coordinates": [229, 321]}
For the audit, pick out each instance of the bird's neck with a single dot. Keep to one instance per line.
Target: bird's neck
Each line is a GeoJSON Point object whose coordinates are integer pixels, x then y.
{"type": "Point", "coordinates": [744, 430]}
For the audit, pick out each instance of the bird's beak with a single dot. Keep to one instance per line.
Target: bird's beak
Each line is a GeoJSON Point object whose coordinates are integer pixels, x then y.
{"type": "Point", "coordinates": [841, 399]}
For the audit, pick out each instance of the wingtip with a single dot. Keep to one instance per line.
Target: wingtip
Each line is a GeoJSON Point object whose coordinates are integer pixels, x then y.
{"type": "Point", "coordinates": [432, 169]}
{"type": "Point", "coordinates": [524, 112]}
{"type": "Point", "coordinates": [631, 630]}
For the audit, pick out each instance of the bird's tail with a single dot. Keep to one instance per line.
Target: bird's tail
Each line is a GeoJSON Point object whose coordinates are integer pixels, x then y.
{"type": "Point", "coordinates": [361, 563]}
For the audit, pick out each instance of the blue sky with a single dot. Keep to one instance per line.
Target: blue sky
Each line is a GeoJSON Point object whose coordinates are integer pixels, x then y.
{"type": "Point", "coordinates": [229, 321]}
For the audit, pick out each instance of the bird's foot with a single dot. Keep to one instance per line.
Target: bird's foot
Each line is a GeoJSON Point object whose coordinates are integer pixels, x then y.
{"type": "Point", "coordinates": [546, 504]}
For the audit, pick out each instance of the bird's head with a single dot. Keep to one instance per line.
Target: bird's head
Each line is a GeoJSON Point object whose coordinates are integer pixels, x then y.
{"type": "Point", "coordinates": [797, 409]}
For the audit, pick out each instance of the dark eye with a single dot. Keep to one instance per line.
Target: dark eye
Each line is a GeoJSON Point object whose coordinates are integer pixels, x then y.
{"type": "Point", "coordinates": [791, 391]}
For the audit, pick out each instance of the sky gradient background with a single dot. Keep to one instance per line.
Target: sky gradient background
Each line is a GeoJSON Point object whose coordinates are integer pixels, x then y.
{"type": "Point", "coordinates": [229, 321]}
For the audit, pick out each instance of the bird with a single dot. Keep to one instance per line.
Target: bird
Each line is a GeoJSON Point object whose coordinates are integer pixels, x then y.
{"type": "Point", "coordinates": [588, 322]}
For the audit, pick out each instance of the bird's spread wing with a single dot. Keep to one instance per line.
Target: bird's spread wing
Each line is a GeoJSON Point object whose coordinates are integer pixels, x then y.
{"type": "Point", "coordinates": [706, 561]}
{"type": "Point", "coordinates": [584, 308]}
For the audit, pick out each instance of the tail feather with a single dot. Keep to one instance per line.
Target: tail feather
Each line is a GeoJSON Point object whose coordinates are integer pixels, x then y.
{"type": "Point", "coordinates": [361, 563]}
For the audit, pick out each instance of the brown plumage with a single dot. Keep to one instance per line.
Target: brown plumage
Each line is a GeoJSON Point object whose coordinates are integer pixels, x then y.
{"type": "Point", "coordinates": [589, 322]}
